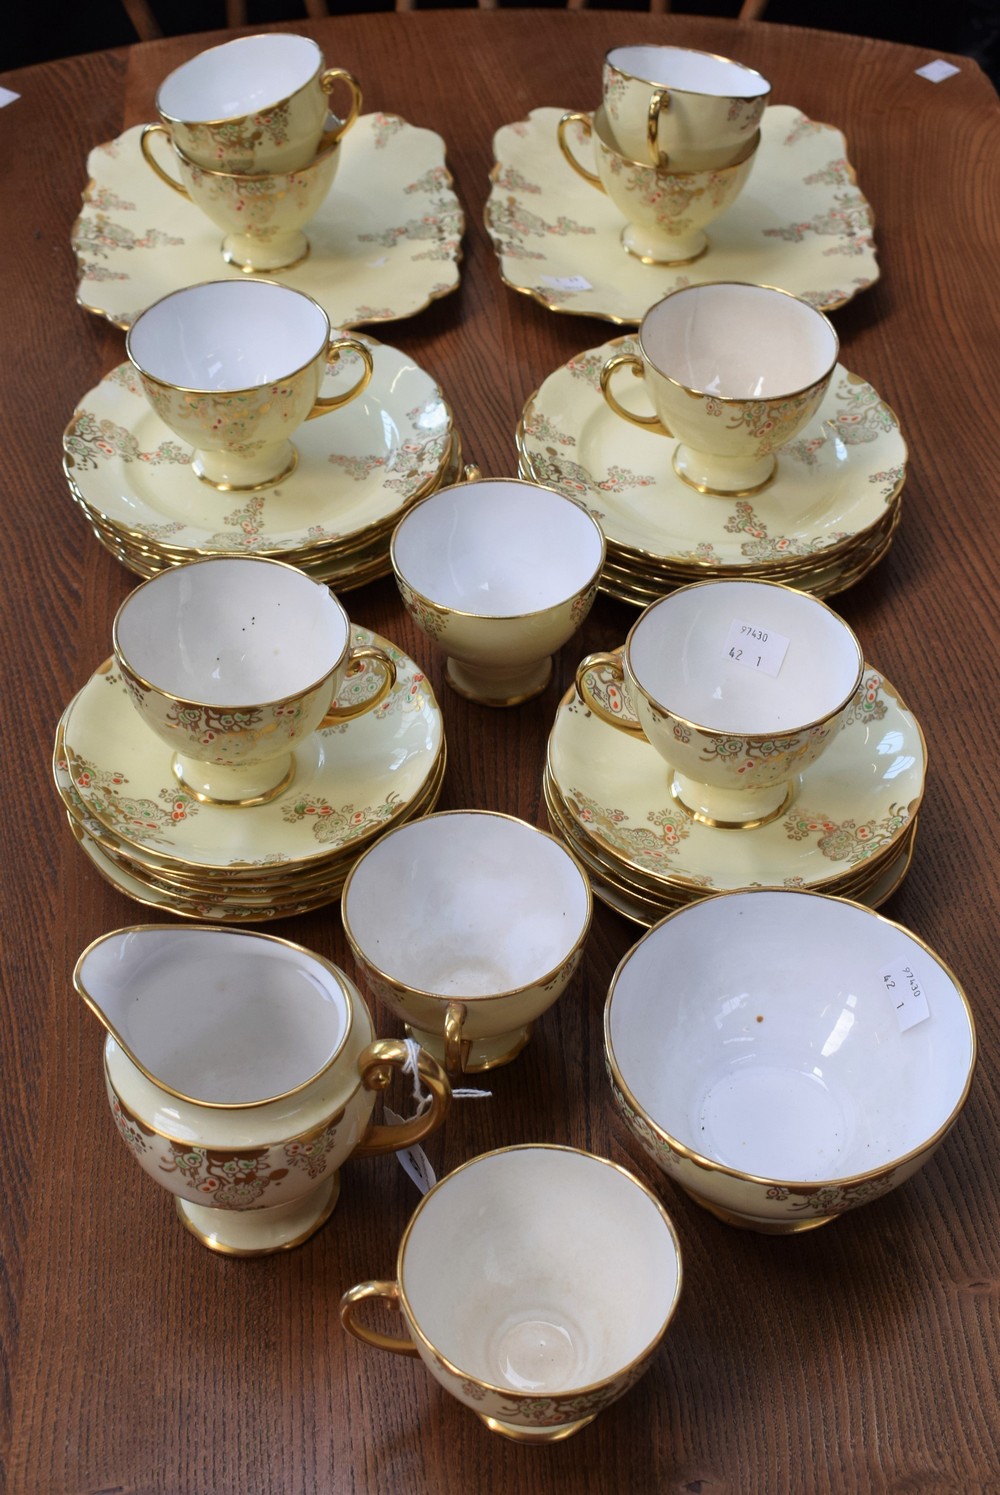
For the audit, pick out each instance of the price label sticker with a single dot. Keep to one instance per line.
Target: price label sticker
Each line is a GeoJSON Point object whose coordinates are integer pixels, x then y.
{"type": "Point", "coordinates": [7, 96]}
{"type": "Point", "coordinates": [937, 71]}
{"type": "Point", "coordinates": [906, 992]}
{"type": "Point", "coordinates": [413, 1160]}
{"type": "Point", "coordinates": [567, 282]}
{"type": "Point", "coordinates": [756, 648]}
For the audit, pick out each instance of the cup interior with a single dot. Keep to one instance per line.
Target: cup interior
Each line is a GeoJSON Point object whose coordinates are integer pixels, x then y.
{"type": "Point", "coordinates": [756, 1029]}
{"type": "Point", "coordinates": [540, 1269]}
{"type": "Point", "coordinates": [232, 632]}
{"type": "Point", "coordinates": [467, 904]}
{"type": "Point", "coordinates": [228, 336]}
{"type": "Point", "coordinates": [244, 76]}
{"type": "Point", "coordinates": [679, 653]}
{"type": "Point", "coordinates": [689, 71]}
{"type": "Point", "coordinates": [216, 1015]}
{"type": "Point", "coordinates": [498, 548]}
{"type": "Point", "coordinates": [738, 342]}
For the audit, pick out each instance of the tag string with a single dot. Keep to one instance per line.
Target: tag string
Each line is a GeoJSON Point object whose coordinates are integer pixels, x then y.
{"type": "Point", "coordinates": [420, 1096]}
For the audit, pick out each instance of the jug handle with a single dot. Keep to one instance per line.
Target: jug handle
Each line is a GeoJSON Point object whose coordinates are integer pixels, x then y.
{"type": "Point", "coordinates": [375, 1065]}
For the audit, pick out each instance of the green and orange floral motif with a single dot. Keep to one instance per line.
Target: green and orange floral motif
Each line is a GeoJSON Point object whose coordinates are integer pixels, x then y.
{"type": "Point", "coordinates": [770, 422]}
{"type": "Point", "coordinates": [576, 482]}
{"type": "Point", "coordinates": [384, 127]}
{"type": "Point", "coordinates": [654, 849]}
{"type": "Point", "coordinates": [761, 546]}
{"type": "Point", "coordinates": [233, 144]}
{"type": "Point", "coordinates": [510, 180]}
{"type": "Point", "coordinates": [90, 441]}
{"type": "Point", "coordinates": [101, 237]}
{"type": "Point", "coordinates": [431, 619]}
{"type": "Point", "coordinates": [511, 220]}
{"type": "Point", "coordinates": [340, 825]}
{"type": "Point", "coordinates": [849, 221]}
{"type": "Point", "coordinates": [868, 705]}
{"type": "Point", "coordinates": [100, 793]}
{"type": "Point", "coordinates": [779, 759]}
{"type": "Point", "coordinates": [847, 840]}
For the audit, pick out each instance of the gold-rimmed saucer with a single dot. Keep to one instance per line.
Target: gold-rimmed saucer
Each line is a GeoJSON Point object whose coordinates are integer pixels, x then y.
{"type": "Point", "coordinates": [801, 223]}
{"type": "Point", "coordinates": [852, 810]}
{"type": "Point", "coordinates": [351, 782]}
{"type": "Point", "coordinates": [826, 519]}
{"type": "Point", "coordinates": [384, 244]}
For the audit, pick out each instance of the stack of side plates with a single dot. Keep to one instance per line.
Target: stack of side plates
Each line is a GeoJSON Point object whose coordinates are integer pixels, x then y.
{"type": "Point", "coordinates": [849, 830]}
{"type": "Point", "coordinates": [160, 846]}
{"type": "Point", "coordinates": [358, 469]}
{"type": "Point", "coordinates": [825, 520]}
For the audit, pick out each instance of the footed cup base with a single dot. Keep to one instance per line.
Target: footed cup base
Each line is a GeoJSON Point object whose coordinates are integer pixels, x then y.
{"type": "Point", "coordinates": [281, 253]}
{"type": "Point", "coordinates": [261, 1232]}
{"type": "Point", "coordinates": [661, 249]}
{"type": "Point", "coordinates": [535, 1435]}
{"type": "Point", "coordinates": [233, 788]}
{"type": "Point", "coordinates": [730, 809]}
{"type": "Point", "coordinates": [498, 687]}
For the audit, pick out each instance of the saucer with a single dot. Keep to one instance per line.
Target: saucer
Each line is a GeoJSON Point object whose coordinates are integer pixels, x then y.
{"type": "Point", "coordinates": [853, 805]}
{"type": "Point", "coordinates": [384, 244]}
{"type": "Point", "coordinates": [836, 483]}
{"type": "Point", "coordinates": [357, 469]}
{"type": "Point", "coordinates": [351, 782]}
{"type": "Point", "coordinates": [801, 223]}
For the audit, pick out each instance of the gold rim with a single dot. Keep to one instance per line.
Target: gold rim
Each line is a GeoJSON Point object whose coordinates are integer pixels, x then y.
{"type": "Point", "coordinates": [795, 1186]}
{"type": "Point", "coordinates": [231, 119]}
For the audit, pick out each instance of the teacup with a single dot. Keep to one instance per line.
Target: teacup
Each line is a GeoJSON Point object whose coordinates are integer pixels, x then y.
{"type": "Point", "coordinates": [242, 1071]}
{"type": "Point", "coordinates": [262, 215]}
{"type": "Point", "coordinates": [675, 107]}
{"type": "Point", "coordinates": [499, 573]}
{"type": "Point", "coordinates": [733, 372]}
{"type": "Point", "coordinates": [255, 104]}
{"type": "Point", "coordinates": [233, 367]}
{"type": "Point", "coordinates": [812, 1058]}
{"type": "Point", "coordinates": [233, 661]}
{"type": "Point", "coordinates": [535, 1283]}
{"type": "Point", "coordinates": [666, 210]}
{"type": "Point", "coordinates": [469, 925]}
{"type": "Point", "coordinates": [739, 686]}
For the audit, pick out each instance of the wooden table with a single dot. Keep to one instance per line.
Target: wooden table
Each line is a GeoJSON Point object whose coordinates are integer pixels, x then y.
{"type": "Point", "coordinates": [863, 1356]}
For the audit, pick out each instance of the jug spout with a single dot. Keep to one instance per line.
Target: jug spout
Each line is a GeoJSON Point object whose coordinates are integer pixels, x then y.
{"type": "Point", "coordinates": [216, 1016]}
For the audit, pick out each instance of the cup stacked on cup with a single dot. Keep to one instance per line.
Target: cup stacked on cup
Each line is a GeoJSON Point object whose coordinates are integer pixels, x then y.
{"type": "Point", "coordinates": [674, 141]}
{"type": "Point", "coordinates": [251, 136]}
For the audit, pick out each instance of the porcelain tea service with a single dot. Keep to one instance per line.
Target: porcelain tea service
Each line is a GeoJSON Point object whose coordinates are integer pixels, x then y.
{"type": "Point", "coordinates": [242, 1071]}
{"type": "Point", "coordinates": [468, 925]}
{"type": "Point", "coordinates": [535, 1283]}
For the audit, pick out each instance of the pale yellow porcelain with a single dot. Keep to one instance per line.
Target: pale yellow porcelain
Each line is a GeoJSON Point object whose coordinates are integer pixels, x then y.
{"type": "Point", "coordinates": [535, 1283]}
{"type": "Point", "coordinates": [242, 1071]}
{"type": "Point", "coordinates": [672, 106]}
{"type": "Point", "coordinates": [666, 210]}
{"type": "Point", "coordinates": [468, 925]}
{"type": "Point", "coordinates": [254, 104]}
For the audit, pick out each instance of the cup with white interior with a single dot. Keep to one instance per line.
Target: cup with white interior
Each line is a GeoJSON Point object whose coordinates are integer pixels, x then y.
{"type": "Point", "coordinates": [732, 372]}
{"type": "Point", "coordinates": [234, 367]}
{"type": "Point", "coordinates": [233, 661]}
{"type": "Point", "coordinates": [739, 686]}
{"type": "Point", "coordinates": [469, 925]}
{"type": "Point", "coordinates": [535, 1283]}
{"type": "Point", "coordinates": [785, 1057]}
{"type": "Point", "coordinates": [672, 106]}
{"type": "Point", "coordinates": [498, 573]}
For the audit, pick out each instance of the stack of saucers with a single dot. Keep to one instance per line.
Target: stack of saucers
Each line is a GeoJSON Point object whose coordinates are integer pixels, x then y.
{"type": "Point", "coordinates": [822, 523]}
{"type": "Point", "coordinates": [849, 829]}
{"type": "Point", "coordinates": [333, 516]}
{"type": "Point", "coordinates": [159, 845]}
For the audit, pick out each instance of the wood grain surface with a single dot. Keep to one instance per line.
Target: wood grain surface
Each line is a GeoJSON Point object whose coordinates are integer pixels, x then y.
{"type": "Point", "coordinates": [863, 1356]}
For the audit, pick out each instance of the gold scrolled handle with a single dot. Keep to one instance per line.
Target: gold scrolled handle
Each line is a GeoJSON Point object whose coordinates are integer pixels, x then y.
{"type": "Point", "coordinates": [375, 1066]}
{"type": "Point", "coordinates": [634, 362]}
{"type": "Point", "coordinates": [471, 473]}
{"type": "Point", "coordinates": [327, 82]}
{"type": "Point", "coordinates": [587, 123]}
{"type": "Point", "coordinates": [358, 654]}
{"type": "Point", "coordinates": [349, 1303]}
{"type": "Point", "coordinates": [614, 666]}
{"type": "Point", "coordinates": [659, 103]}
{"type": "Point", "coordinates": [456, 1050]}
{"type": "Point", "coordinates": [337, 345]}
{"type": "Point", "coordinates": [147, 132]}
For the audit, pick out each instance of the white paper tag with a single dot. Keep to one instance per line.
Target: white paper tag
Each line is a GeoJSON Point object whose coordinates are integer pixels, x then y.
{"type": "Point", "coordinates": [7, 96]}
{"type": "Point", "coordinates": [566, 282]}
{"type": "Point", "coordinates": [413, 1160]}
{"type": "Point", "coordinates": [377, 264]}
{"type": "Point", "coordinates": [756, 648]}
{"type": "Point", "coordinates": [906, 992]}
{"type": "Point", "coordinates": [937, 71]}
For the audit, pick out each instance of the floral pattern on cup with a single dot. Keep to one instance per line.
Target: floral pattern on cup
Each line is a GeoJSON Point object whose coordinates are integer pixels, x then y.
{"type": "Point", "coordinates": [770, 422]}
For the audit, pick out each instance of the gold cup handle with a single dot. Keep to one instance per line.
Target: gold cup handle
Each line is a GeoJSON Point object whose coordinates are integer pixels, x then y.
{"type": "Point", "coordinates": [612, 663]}
{"type": "Point", "coordinates": [360, 652]}
{"type": "Point", "coordinates": [375, 1065]}
{"type": "Point", "coordinates": [349, 1303]}
{"type": "Point", "coordinates": [147, 132]}
{"type": "Point", "coordinates": [471, 473]}
{"type": "Point", "coordinates": [587, 123]}
{"type": "Point", "coordinates": [326, 403]}
{"type": "Point", "coordinates": [327, 82]}
{"type": "Point", "coordinates": [633, 362]}
{"type": "Point", "coordinates": [455, 1049]}
{"type": "Point", "coordinates": [659, 103]}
